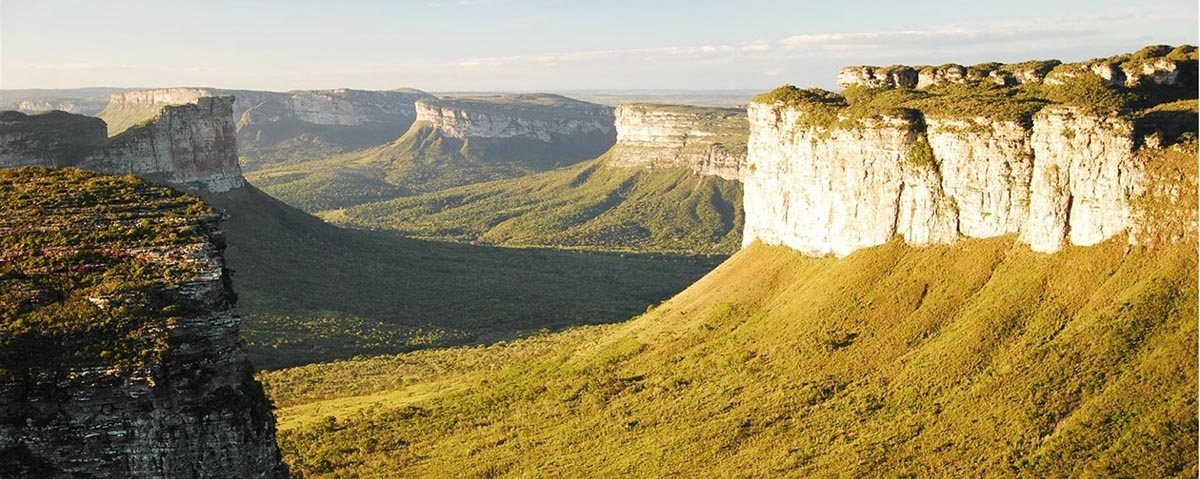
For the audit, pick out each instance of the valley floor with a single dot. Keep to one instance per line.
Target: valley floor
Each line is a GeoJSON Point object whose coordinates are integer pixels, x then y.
{"type": "Point", "coordinates": [981, 359]}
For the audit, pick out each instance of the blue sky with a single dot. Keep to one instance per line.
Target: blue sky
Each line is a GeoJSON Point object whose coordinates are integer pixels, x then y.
{"type": "Point", "coordinates": [444, 45]}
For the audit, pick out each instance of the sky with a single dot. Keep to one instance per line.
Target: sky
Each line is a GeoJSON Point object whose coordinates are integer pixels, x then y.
{"type": "Point", "coordinates": [511, 45]}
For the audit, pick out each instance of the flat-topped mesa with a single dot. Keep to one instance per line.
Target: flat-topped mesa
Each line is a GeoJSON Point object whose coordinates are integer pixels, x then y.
{"type": "Point", "coordinates": [131, 366]}
{"type": "Point", "coordinates": [191, 146]}
{"type": "Point", "coordinates": [540, 117]}
{"type": "Point", "coordinates": [1157, 64]}
{"type": "Point", "coordinates": [828, 174]}
{"type": "Point", "coordinates": [709, 141]}
{"type": "Point", "coordinates": [320, 107]}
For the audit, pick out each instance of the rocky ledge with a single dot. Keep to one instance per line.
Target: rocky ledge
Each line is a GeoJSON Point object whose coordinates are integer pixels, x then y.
{"type": "Point", "coordinates": [119, 353]}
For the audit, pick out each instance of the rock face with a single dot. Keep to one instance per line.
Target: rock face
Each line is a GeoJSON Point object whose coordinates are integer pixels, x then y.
{"type": "Point", "coordinates": [192, 146]}
{"type": "Point", "coordinates": [1073, 177]}
{"type": "Point", "coordinates": [1157, 65]}
{"type": "Point", "coordinates": [544, 118]}
{"type": "Point", "coordinates": [155, 384]}
{"type": "Point", "coordinates": [709, 141]}
{"type": "Point", "coordinates": [53, 138]}
{"type": "Point", "coordinates": [320, 107]}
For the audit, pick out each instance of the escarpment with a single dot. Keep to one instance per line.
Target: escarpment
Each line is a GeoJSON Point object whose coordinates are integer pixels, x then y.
{"type": "Point", "coordinates": [709, 141]}
{"type": "Point", "coordinates": [343, 107]}
{"type": "Point", "coordinates": [829, 174]}
{"type": "Point", "coordinates": [192, 146]}
{"type": "Point", "coordinates": [119, 354]}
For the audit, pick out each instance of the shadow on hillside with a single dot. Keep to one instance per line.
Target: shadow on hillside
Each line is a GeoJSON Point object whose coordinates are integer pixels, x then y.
{"type": "Point", "coordinates": [309, 291]}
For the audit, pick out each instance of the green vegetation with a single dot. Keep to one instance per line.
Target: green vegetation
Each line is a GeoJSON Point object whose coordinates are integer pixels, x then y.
{"type": "Point", "coordinates": [311, 292]}
{"type": "Point", "coordinates": [291, 140]}
{"type": "Point", "coordinates": [589, 205]}
{"type": "Point", "coordinates": [981, 96]}
{"type": "Point", "coordinates": [72, 289]}
{"type": "Point", "coordinates": [981, 359]}
{"type": "Point", "coordinates": [421, 161]}
{"type": "Point", "coordinates": [123, 116]}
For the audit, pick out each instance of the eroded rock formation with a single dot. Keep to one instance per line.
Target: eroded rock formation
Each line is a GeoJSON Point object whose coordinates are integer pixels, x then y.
{"type": "Point", "coordinates": [192, 146]}
{"type": "Point", "coordinates": [1071, 178]}
{"type": "Point", "coordinates": [709, 141]}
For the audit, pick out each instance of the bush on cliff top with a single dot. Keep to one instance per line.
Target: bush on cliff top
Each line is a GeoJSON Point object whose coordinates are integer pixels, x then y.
{"type": "Point", "coordinates": [68, 247]}
{"type": "Point", "coordinates": [979, 96]}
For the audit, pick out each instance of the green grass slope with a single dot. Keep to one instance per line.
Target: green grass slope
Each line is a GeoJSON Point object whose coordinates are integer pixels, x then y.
{"type": "Point", "coordinates": [309, 291]}
{"type": "Point", "coordinates": [420, 161]}
{"type": "Point", "coordinates": [981, 359]}
{"type": "Point", "coordinates": [589, 205]}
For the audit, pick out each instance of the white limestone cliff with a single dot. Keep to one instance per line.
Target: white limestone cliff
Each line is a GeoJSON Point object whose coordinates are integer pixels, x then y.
{"type": "Point", "coordinates": [535, 117]}
{"type": "Point", "coordinates": [709, 141]}
{"type": "Point", "coordinates": [1072, 178]}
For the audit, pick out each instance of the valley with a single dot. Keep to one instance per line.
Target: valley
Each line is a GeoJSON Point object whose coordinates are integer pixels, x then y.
{"type": "Point", "coordinates": [948, 270]}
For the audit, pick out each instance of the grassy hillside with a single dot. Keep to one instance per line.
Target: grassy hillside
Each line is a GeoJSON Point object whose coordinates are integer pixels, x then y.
{"type": "Point", "coordinates": [423, 160]}
{"type": "Point", "coordinates": [589, 205]}
{"type": "Point", "coordinates": [310, 292]}
{"type": "Point", "coordinates": [981, 359]}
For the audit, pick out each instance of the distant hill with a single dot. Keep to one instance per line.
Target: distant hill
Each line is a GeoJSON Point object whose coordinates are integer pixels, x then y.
{"type": "Point", "coordinates": [454, 142]}
{"type": "Point", "coordinates": [588, 206]}
{"type": "Point", "coordinates": [669, 184]}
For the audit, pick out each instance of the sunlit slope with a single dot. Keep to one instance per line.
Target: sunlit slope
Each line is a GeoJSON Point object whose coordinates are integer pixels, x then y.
{"type": "Point", "coordinates": [982, 359]}
{"type": "Point", "coordinates": [420, 161]}
{"type": "Point", "coordinates": [590, 205]}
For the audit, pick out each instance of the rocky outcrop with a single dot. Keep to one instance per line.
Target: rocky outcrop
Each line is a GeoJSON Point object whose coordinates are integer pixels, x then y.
{"type": "Point", "coordinates": [543, 118]}
{"type": "Point", "coordinates": [153, 383]}
{"type": "Point", "coordinates": [1157, 65]}
{"type": "Point", "coordinates": [192, 146]}
{"type": "Point", "coordinates": [709, 141]}
{"type": "Point", "coordinates": [1072, 177]}
{"type": "Point", "coordinates": [896, 76]}
{"type": "Point", "coordinates": [52, 138]}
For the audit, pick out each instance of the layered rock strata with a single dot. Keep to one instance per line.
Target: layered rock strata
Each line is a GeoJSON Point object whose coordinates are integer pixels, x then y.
{"type": "Point", "coordinates": [709, 141]}
{"type": "Point", "coordinates": [192, 146]}
{"type": "Point", "coordinates": [1072, 177]}
{"type": "Point", "coordinates": [343, 107]}
{"type": "Point", "coordinates": [543, 118]}
{"type": "Point", "coordinates": [154, 383]}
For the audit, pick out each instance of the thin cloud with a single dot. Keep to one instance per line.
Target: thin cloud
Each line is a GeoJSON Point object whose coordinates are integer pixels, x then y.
{"type": "Point", "coordinates": [840, 44]}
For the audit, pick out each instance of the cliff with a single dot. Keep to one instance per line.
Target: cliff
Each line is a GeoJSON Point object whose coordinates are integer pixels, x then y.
{"type": "Point", "coordinates": [119, 354]}
{"type": "Point", "coordinates": [52, 138]}
{"type": "Point", "coordinates": [543, 118]}
{"type": "Point", "coordinates": [709, 141]}
{"type": "Point", "coordinates": [320, 107]}
{"type": "Point", "coordinates": [1063, 164]}
{"type": "Point", "coordinates": [192, 146]}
